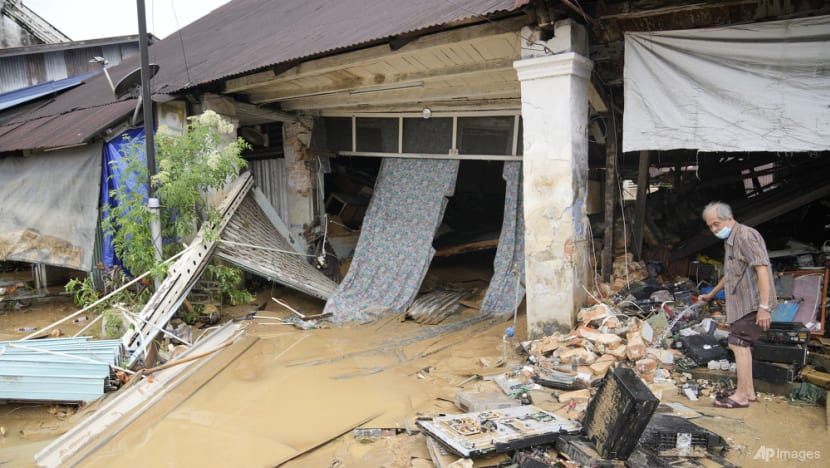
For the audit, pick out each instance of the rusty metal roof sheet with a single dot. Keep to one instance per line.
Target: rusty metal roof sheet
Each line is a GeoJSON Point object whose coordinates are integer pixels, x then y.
{"type": "Point", "coordinates": [249, 35]}
{"type": "Point", "coordinates": [60, 130]}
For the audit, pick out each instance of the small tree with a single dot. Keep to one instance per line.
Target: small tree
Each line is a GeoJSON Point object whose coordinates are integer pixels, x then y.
{"type": "Point", "coordinates": [205, 158]}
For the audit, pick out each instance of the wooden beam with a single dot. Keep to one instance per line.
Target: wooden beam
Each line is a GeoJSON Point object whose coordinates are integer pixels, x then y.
{"type": "Point", "coordinates": [595, 100]}
{"type": "Point", "coordinates": [275, 115]}
{"type": "Point", "coordinates": [509, 27]}
{"type": "Point", "coordinates": [610, 197]}
{"type": "Point", "coordinates": [419, 96]}
{"type": "Point", "coordinates": [762, 213]}
{"type": "Point", "coordinates": [640, 209]}
{"type": "Point", "coordinates": [274, 93]}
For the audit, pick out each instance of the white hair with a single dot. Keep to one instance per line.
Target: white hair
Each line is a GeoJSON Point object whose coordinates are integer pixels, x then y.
{"type": "Point", "coordinates": [722, 210]}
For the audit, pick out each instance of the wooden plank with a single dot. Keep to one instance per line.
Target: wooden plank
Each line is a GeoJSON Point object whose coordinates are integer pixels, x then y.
{"type": "Point", "coordinates": [761, 214]}
{"type": "Point", "coordinates": [470, 92]}
{"type": "Point", "coordinates": [326, 439]}
{"type": "Point", "coordinates": [271, 114]}
{"type": "Point", "coordinates": [139, 396]}
{"type": "Point", "coordinates": [640, 209]}
{"type": "Point", "coordinates": [468, 247]}
{"type": "Point", "coordinates": [610, 196]}
{"type": "Point", "coordinates": [509, 27]}
{"type": "Point", "coordinates": [283, 90]}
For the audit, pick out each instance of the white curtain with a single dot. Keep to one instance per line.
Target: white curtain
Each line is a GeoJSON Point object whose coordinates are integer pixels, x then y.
{"type": "Point", "coordinates": [49, 208]}
{"type": "Point", "coordinates": [755, 87]}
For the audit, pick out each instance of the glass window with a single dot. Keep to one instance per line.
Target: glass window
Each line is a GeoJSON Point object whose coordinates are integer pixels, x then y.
{"type": "Point", "coordinates": [377, 134]}
{"type": "Point", "coordinates": [338, 131]}
{"type": "Point", "coordinates": [427, 136]}
{"type": "Point", "coordinates": [485, 135]}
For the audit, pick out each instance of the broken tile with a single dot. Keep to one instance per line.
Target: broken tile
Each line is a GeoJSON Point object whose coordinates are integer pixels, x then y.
{"type": "Point", "coordinates": [636, 346]}
{"type": "Point", "coordinates": [581, 395]}
{"type": "Point", "coordinates": [603, 363]}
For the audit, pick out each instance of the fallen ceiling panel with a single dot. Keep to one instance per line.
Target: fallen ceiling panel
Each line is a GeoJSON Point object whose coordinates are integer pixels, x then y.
{"type": "Point", "coordinates": [181, 277]}
{"type": "Point", "coordinates": [254, 226]}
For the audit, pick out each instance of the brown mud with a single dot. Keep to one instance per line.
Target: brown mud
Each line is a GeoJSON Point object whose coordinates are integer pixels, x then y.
{"type": "Point", "coordinates": [295, 390]}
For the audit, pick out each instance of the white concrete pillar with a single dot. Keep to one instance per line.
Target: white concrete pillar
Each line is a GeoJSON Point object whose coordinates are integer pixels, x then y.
{"type": "Point", "coordinates": [555, 115]}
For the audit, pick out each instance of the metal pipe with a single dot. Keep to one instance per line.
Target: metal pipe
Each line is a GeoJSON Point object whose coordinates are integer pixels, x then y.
{"type": "Point", "coordinates": [149, 143]}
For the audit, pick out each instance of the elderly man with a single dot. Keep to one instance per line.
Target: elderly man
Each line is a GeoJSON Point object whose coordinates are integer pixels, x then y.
{"type": "Point", "coordinates": [750, 294]}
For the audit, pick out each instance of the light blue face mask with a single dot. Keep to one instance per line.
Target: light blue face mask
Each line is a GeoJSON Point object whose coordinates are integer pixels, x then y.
{"type": "Point", "coordinates": [723, 234]}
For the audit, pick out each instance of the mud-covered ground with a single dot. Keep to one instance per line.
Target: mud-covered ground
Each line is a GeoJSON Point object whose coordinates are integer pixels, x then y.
{"type": "Point", "coordinates": [297, 394]}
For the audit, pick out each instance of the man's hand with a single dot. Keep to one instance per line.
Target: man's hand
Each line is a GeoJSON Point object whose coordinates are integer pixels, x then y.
{"type": "Point", "coordinates": [706, 297]}
{"type": "Point", "coordinates": [763, 319]}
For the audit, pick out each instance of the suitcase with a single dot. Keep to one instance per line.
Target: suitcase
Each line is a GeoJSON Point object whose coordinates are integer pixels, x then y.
{"type": "Point", "coordinates": [619, 413]}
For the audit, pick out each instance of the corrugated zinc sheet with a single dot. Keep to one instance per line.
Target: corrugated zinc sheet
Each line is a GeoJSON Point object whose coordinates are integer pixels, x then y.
{"type": "Point", "coordinates": [57, 369]}
{"type": "Point", "coordinates": [12, 73]}
{"type": "Point", "coordinates": [68, 129]}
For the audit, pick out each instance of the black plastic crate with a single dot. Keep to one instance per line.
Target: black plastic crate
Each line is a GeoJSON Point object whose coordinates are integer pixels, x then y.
{"type": "Point", "coordinates": [618, 414]}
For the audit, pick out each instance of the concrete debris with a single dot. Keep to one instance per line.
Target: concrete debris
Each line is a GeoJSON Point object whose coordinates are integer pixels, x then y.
{"type": "Point", "coordinates": [628, 339]}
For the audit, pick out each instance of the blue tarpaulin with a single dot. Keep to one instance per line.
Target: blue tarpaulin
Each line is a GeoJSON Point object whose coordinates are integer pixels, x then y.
{"type": "Point", "coordinates": [113, 176]}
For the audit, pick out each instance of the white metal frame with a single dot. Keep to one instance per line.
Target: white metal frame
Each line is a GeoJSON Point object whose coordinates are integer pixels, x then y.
{"type": "Point", "coordinates": [453, 152]}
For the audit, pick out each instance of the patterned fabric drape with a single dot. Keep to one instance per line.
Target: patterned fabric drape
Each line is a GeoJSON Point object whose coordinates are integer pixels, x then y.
{"type": "Point", "coordinates": [395, 246]}
{"type": "Point", "coordinates": [504, 294]}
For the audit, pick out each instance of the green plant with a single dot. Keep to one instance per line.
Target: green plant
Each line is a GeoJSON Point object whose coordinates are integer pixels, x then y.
{"type": "Point", "coordinates": [205, 158]}
{"type": "Point", "coordinates": [113, 325]}
{"type": "Point", "coordinates": [229, 278]}
{"type": "Point", "coordinates": [83, 291]}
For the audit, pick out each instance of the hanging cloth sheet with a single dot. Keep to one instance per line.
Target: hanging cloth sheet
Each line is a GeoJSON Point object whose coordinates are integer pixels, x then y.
{"type": "Point", "coordinates": [753, 87]}
{"type": "Point", "coordinates": [114, 176]}
{"type": "Point", "coordinates": [50, 207]}
{"type": "Point", "coordinates": [395, 246]}
{"type": "Point", "coordinates": [505, 292]}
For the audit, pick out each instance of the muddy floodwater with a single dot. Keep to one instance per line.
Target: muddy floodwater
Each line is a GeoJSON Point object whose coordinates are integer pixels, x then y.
{"type": "Point", "coordinates": [294, 397]}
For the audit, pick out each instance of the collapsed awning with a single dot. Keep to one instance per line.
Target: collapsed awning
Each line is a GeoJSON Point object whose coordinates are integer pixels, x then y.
{"type": "Point", "coordinates": [755, 87]}
{"type": "Point", "coordinates": [50, 207]}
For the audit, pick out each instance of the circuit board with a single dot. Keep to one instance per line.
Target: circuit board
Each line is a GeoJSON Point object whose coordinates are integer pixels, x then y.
{"type": "Point", "coordinates": [495, 431]}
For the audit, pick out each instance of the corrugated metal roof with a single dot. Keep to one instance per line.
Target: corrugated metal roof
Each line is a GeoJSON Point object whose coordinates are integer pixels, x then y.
{"type": "Point", "coordinates": [72, 128]}
{"type": "Point", "coordinates": [248, 35]}
{"type": "Point", "coordinates": [60, 369]}
{"type": "Point", "coordinates": [20, 96]}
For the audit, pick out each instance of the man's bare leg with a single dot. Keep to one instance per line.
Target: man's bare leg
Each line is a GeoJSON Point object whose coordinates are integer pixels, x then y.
{"type": "Point", "coordinates": [743, 363]}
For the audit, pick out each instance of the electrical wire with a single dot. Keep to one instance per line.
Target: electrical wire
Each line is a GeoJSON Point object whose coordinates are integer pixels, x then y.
{"type": "Point", "coordinates": [260, 247]}
{"type": "Point", "coordinates": [181, 41]}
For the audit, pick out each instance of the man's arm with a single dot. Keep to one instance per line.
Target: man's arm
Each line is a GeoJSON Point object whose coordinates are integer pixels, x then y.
{"type": "Point", "coordinates": [711, 294]}
{"type": "Point", "coordinates": [764, 316]}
